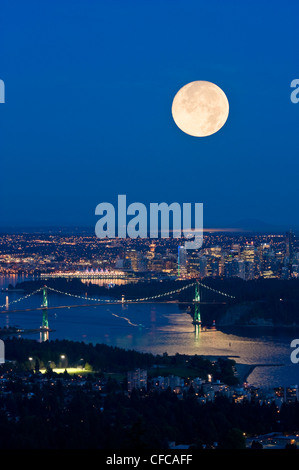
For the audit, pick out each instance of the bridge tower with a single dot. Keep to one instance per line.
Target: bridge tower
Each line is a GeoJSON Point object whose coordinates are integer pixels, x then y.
{"type": "Point", "coordinates": [45, 323]}
{"type": "Point", "coordinates": [197, 317]}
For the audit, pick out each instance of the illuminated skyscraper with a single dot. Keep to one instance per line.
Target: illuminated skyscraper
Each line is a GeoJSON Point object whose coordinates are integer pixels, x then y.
{"type": "Point", "coordinates": [215, 268]}
{"type": "Point", "coordinates": [203, 266]}
{"type": "Point", "coordinates": [248, 253]}
{"type": "Point", "coordinates": [136, 259]}
{"type": "Point", "coordinates": [182, 261]}
{"type": "Point", "coordinates": [235, 249]}
{"type": "Point", "coordinates": [289, 242]}
{"type": "Point", "coordinates": [193, 262]}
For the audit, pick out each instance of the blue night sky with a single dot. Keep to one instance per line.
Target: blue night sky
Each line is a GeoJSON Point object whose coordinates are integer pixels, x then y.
{"type": "Point", "coordinates": [89, 89]}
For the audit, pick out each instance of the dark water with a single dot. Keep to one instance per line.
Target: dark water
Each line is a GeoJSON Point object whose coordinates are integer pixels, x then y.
{"type": "Point", "coordinates": [159, 328]}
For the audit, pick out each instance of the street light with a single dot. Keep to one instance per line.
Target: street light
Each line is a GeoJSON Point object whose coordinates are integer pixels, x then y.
{"type": "Point", "coordinates": [63, 359]}
{"type": "Point", "coordinates": [30, 359]}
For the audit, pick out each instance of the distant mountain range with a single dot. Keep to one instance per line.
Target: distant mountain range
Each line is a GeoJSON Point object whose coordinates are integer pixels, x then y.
{"type": "Point", "coordinates": [243, 225]}
{"type": "Point", "coordinates": [255, 225]}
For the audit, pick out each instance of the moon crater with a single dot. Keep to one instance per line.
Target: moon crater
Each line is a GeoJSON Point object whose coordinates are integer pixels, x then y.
{"type": "Point", "coordinates": [200, 108]}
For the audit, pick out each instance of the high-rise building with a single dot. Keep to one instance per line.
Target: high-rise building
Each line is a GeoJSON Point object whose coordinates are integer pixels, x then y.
{"type": "Point", "coordinates": [215, 268]}
{"type": "Point", "coordinates": [268, 258]}
{"type": "Point", "coordinates": [295, 270]}
{"type": "Point", "coordinates": [249, 270]}
{"type": "Point", "coordinates": [228, 267]}
{"type": "Point", "coordinates": [248, 253]}
{"type": "Point", "coordinates": [289, 242]}
{"type": "Point", "coordinates": [193, 262]}
{"type": "Point", "coordinates": [285, 273]}
{"type": "Point", "coordinates": [138, 262]}
{"type": "Point", "coordinates": [203, 263]}
{"type": "Point", "coordinates": [238, 268]}
{"type": "Point", "coordinates": [182, 261]}
{"type": "Point", "coordinates": [235, 249]}
{"type": "Point", "coordinates": [215, 251]}
{"type": "Point", "coordinates": [137, 379]}
{"type": "Point", "coordinates": [291, 394]}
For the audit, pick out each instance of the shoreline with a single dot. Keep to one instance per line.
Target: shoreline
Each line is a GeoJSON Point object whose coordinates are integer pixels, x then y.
{"type": "Point", "coordinates": [243, 371]}
{"type": "Point", "coordinates": [244, 325]}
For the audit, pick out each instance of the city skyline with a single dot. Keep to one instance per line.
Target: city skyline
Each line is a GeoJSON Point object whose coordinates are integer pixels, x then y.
{"type": "Point", "coordinates": [87, 111]}
{"type": "Point", "coordinates": [80, 255]}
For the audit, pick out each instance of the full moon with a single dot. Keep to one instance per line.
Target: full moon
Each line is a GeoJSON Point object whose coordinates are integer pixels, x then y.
{"type": "Point", "coordinates": [200, 108]}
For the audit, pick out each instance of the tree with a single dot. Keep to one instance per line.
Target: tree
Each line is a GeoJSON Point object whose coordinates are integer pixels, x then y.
{"type": "Point", "coordinates": [37, 366]}
{"type": "Point", "coordinates": [233, 439]}
{"type": "Point", "coordinates": [256, 445]}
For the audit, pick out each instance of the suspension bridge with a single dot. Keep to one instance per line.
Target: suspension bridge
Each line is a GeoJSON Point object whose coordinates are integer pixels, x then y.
{"type": "Point", "coordinates": [199, 290]}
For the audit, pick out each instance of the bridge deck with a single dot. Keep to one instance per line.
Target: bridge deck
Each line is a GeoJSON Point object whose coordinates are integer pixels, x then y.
{"type": "Point", "coordinates": [99, 304]}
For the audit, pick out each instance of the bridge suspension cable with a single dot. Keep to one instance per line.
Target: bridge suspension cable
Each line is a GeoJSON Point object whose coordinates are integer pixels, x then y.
{"type": "Point", "coordinates": [215, 290]}
{"type": "Point", "coordinates": [22, 298]}
{"type": "Point", "coordinates": [143, 299]}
